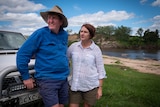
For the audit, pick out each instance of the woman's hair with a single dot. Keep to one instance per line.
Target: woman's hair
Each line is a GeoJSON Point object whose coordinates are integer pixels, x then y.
{"type": "Point", "coordinates": [90, 28]}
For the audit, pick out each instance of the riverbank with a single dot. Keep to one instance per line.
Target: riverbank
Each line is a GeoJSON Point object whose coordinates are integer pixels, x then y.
{"type": "Point", "coordinates": [145, 66]}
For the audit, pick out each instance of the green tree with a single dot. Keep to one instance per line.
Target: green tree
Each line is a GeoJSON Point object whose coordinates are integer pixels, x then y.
{"type": "Point", "coordinates": [140, 32]}
{"type": "Point", "coordinates": [69, 31]}
{"type": "Point", "coordinates": [106, 31]}
{"type": "Point", "coordinates": [122, 33]}
{"type": "Point", "coordinates": [135, 42]}
{"type": "Point", "coordinates": [151, 37]}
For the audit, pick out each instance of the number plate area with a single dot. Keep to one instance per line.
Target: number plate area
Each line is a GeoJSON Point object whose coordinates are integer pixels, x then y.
{"type": "Point", "coordinates": [28, 98]}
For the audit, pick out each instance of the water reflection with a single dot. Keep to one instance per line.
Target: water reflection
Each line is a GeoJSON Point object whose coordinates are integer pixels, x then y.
{"type": "Point", "coordinates": [133, 54]}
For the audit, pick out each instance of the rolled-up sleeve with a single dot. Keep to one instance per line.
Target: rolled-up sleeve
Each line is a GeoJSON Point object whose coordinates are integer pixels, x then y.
{"type": "Point", "coordinates": [100, 64]}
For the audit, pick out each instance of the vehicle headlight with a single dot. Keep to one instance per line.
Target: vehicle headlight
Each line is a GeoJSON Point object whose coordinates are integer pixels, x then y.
{"type": "Point", "coordinates": [17, 87]}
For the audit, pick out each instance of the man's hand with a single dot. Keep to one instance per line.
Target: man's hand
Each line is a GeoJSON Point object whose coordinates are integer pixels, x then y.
{"type": "Point", "coordinates": [29, 83]}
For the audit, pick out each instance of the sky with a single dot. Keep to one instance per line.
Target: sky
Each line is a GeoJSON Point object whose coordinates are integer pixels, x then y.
{"type": "Point", "coordinates": [24, 15]}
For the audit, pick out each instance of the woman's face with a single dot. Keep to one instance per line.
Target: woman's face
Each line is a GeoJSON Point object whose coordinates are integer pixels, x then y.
{"type": "Point", "coordinates": [84, 34]}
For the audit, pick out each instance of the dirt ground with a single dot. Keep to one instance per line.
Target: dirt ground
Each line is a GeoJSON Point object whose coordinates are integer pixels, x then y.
{"type": "Point", "coordinates": [145, 66]}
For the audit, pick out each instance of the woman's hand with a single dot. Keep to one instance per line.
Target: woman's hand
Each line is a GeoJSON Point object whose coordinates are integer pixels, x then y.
{"type": "Point", "coordinates": [99, 93]}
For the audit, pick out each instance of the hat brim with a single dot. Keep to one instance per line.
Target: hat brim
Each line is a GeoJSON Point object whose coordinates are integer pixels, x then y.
{"type": "Point", "coordinates": [44, 15]}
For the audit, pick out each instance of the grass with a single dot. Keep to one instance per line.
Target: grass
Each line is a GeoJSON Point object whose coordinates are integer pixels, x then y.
{"type": "Point", "coordinates": [125, 87]}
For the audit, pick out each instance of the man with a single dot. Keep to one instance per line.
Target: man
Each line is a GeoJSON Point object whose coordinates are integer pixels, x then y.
{"type": "Point", "coordinates": [49, 46]}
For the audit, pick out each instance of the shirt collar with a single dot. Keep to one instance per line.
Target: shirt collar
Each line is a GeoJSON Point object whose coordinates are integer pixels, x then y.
{"type": "Point", "coordinates": [90, 47]}
{"type": "Point", "coordinates": [60, 30]}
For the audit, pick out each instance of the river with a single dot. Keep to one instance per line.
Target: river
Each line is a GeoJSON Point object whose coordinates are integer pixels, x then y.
{"type": "Point", "coordinates": [133, 54]}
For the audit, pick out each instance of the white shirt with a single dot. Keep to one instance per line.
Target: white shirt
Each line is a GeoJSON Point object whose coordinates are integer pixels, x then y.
{"type": "Point", "coordinates": [87, 66]}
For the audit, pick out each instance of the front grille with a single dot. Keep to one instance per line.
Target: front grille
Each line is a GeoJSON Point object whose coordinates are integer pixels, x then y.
{"type": "Point", "coordinates": [14, 81]}
{"type": "Point", "coordinates": [8, 81]}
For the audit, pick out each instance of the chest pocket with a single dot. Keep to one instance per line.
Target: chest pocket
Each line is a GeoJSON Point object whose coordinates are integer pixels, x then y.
{"type": "Point", "coordinates": [89, 59]}
{"type": "Point", "coordinates": [62, 46]}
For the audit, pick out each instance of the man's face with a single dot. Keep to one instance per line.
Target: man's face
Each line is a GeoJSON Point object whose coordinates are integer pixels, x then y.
{"type": "Point", "coordinates": [54, 22]}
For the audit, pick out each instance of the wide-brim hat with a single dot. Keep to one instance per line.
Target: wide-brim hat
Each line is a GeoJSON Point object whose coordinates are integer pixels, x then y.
{"type": "Point", "coordinates": [56, 9]}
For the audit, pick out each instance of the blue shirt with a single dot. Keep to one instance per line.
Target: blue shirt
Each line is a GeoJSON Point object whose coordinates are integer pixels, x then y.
{"type": "Point", "coordinates": [49, 50]}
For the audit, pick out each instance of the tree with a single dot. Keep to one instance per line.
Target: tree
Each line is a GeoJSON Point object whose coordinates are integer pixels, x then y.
{"type": "Point", "coordinates": [69, 31]}
{"type": "Point", "coordinates": [106, 31]}
{"type": "Point", "coordinates": [151, 37]}
{"type": "Point", "coordinates": [122, 33]}
{"type": "Point", "coordinates": [140, 32]}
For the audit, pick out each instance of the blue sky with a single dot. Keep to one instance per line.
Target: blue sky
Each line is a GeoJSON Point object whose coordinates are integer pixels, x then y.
{"type": "Point", "coordinates": [23, 15]}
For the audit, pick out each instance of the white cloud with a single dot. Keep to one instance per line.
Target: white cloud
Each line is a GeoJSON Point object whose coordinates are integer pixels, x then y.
{"type": "Point", "coordinates": [156, 3]}
{"type": "Point", "coordinates": [76, 7]}
{"type": "Point", "coordinates": [134, 31]}
{"type": "Point", "coordinates": [17, 6]}
{"type": "Point", "coordinates": [23, 16]}
{"type": "Point", "coordinates": [143, 1]}
{"type": "Point", "coordinates": [27, 22]}
{"type": "Point", "coordinates": [141, 22]}
{"type": "Point", "coordinates": [19, 14]}
{"type": "Point", "coordinates": [156, 23]}
{"type": "Point", "coordinates": [100, 18]}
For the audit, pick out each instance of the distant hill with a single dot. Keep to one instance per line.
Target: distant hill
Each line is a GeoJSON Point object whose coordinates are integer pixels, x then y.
{"type": "Point", "coordinates": [102, 44]}
{"type": "Point", "coordinates": [73, 37]}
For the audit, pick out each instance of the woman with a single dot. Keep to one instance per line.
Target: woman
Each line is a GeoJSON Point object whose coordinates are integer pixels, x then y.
{"type": "Point", "coordinates": [87, 69]}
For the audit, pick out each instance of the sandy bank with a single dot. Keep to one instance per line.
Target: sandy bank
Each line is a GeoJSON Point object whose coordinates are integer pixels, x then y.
{"type": "Point", "coordinates": [146, 66]}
